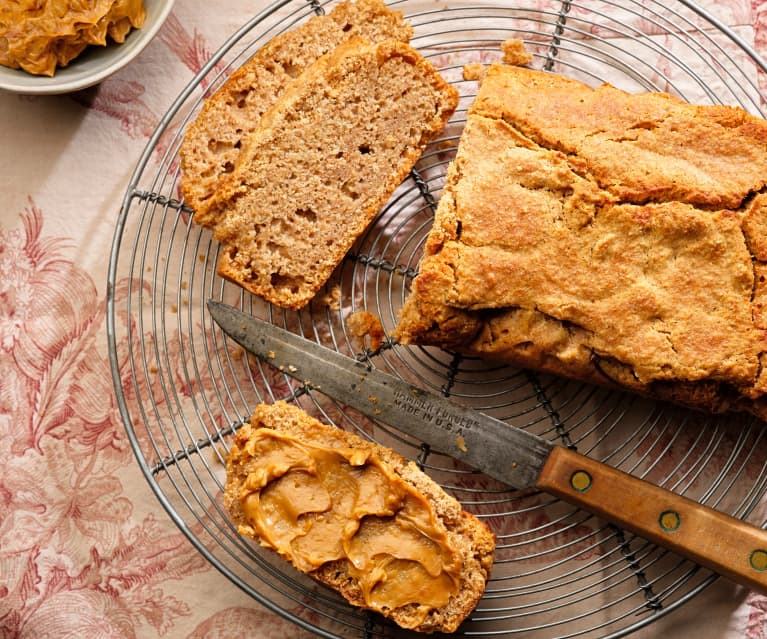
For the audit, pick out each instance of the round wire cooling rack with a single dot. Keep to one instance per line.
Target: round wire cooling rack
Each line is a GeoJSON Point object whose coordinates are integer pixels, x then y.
{"type": "Point", "coordinates": [183, 388]}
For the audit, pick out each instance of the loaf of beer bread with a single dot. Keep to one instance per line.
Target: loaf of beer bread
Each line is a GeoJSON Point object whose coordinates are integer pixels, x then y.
{"type": "Point", "coordinates": [614, 238]}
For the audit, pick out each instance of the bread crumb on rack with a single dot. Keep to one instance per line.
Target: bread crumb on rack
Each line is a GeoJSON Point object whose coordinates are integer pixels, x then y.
{"type": "Point", "coordinates": [515, 53]}
{"type": "Point", "coordinates": [332, 299]}
{"type": "Point", "coordinates": [473, 71]}
{"type": "Point", "coordinates": [367, 328]}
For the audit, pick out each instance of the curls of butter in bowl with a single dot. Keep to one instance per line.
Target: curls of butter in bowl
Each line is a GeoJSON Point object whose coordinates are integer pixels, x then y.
{"type": "Point", "coordinates": [59, 46]}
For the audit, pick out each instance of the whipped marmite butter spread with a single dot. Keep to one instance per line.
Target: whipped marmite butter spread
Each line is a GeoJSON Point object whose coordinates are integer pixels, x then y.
{"type": "Point", "coordinates": [357, 517]}
{"type": "Point", "coordinates": [317, 501]}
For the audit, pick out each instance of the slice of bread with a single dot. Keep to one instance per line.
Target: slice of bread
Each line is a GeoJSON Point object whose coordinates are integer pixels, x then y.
{"type": "Point", "coordinates": [322, 162]}
{"type": "Point", "coordinates": [269, 464]}
{"type": "Point", "coordinates": [212, 142]}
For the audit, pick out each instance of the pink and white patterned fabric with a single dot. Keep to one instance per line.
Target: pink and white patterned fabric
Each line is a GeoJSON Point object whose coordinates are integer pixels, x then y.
{"type": "Point", "coordinates": [85, 549]}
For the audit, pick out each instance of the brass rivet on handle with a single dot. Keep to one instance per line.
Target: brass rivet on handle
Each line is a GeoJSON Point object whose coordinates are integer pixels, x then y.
{"type": "Point", "coordinates": [758, 560]}
{"type": "Point", "coordinates": [669, 520]}
{"type": "Point", "coordinates": [580, 481]}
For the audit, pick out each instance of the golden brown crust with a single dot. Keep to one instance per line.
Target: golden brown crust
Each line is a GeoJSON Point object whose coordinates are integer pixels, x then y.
{"type": "Point", "coordinates": [213, 140]}
{"type": "Point", "coordinates": [629, 252]}
{"type": "Point", "coordinates": [321, 164]}
{"type": "Point", "coordinates": [469, 535]}
{"type": "Point", "coordinates": [642, 148]}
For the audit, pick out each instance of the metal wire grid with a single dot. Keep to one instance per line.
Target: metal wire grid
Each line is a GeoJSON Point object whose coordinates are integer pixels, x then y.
{"type": "Point", "coordinates": [182, 388]}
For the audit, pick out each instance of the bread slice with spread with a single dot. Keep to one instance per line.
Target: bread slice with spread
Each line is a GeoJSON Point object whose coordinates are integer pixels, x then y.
{"type": "Point", "coordinates": [357, 517]}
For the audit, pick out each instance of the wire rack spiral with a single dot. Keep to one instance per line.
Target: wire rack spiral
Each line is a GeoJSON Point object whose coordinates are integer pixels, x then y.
{"type": "Point", "coordinates": [183, 388]}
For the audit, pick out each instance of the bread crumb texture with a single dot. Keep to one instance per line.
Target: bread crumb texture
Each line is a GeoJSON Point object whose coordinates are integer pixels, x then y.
{"type": "Point", "coordinates": [473, 71]}
{"type": "Point", "coordinates": [614, 238]}
{"type": "Point", "coordinates": [322, 163]}
{"type": "Point", "coordinates": [357, 517]}
{"type": "Point", "coordinates": [212, 142]}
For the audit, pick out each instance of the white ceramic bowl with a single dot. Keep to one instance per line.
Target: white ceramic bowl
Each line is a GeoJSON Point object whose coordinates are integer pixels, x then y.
{"type": "Point", "coordinates": [92, 65]}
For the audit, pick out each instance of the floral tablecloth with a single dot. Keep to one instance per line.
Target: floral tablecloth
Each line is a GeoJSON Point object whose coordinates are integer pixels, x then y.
{"type": "Point", "coordinates": [85, 550]}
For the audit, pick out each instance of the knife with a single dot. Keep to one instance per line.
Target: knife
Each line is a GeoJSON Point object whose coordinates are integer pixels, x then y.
{"type": "Point", "coordinates": [730, 547]}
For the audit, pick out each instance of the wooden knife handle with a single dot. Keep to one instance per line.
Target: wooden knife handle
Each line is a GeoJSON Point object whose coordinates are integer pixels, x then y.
{"type": "Point", "coordinates": [728, 546]}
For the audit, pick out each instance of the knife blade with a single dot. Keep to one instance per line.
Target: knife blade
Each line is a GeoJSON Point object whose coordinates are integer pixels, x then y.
{"type": "Point", "coordinates": [733, 548]}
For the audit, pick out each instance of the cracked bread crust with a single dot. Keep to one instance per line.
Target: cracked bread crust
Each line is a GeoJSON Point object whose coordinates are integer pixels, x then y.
{"type": "Point", "coordinates": [471, 537]}
{"type": "Point", "coordinates": [212, 142]}
{"type": "Point", "coordinates": [611, 238]}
